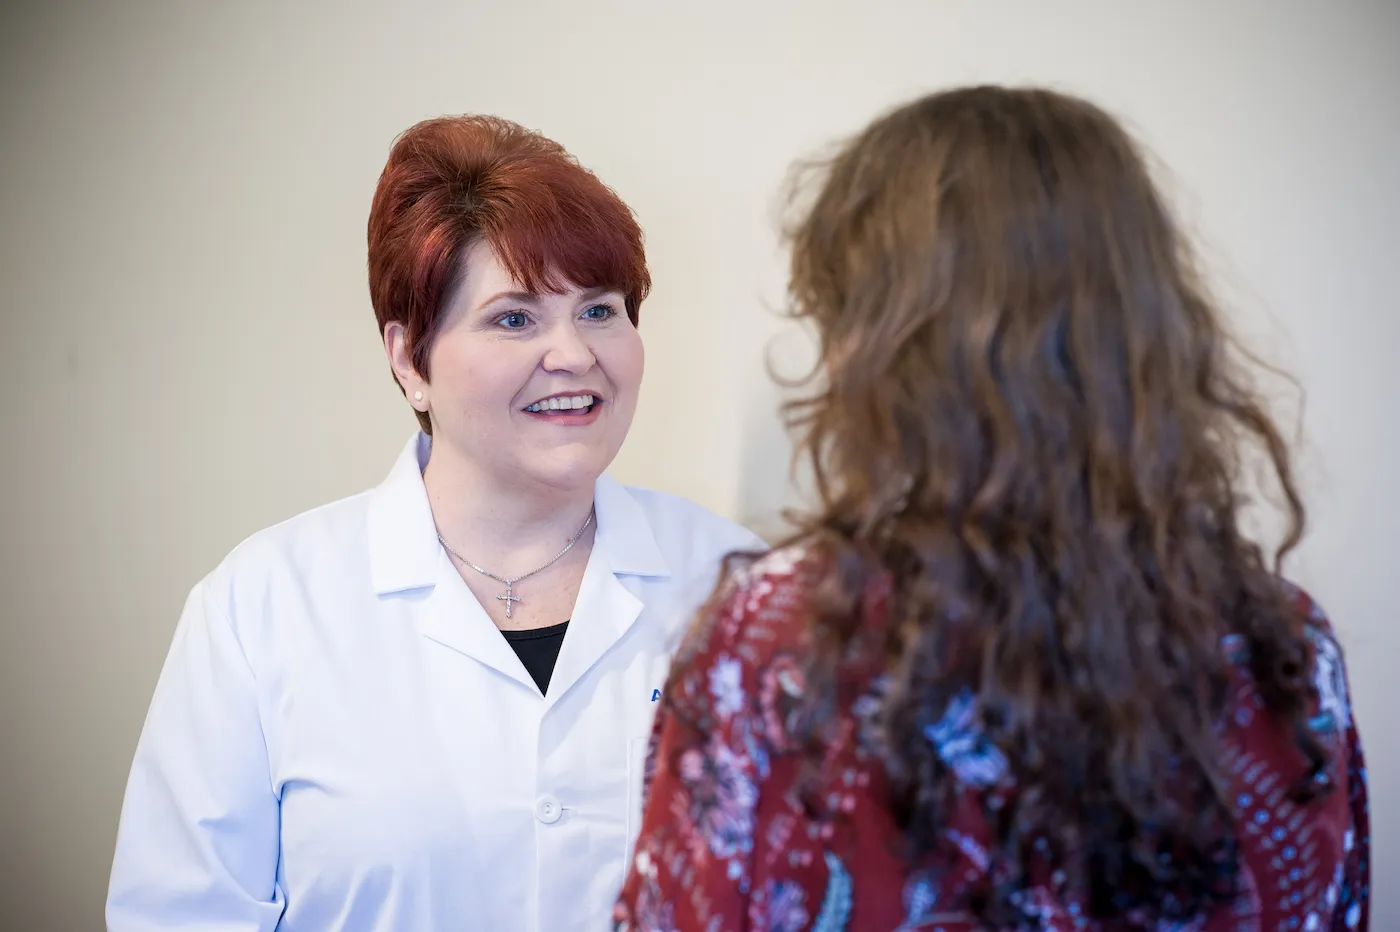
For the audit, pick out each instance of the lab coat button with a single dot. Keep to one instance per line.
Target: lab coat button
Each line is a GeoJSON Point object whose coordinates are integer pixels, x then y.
{"type": "Point", "coordinates": [548, 810]}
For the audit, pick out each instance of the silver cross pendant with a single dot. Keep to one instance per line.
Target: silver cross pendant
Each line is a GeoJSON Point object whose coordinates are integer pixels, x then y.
{"type": "Point", "coordinates": [508, 599]}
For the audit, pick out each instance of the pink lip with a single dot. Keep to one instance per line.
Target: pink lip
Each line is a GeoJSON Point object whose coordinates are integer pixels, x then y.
{"type": "Point", "coordinates": [581, 419]}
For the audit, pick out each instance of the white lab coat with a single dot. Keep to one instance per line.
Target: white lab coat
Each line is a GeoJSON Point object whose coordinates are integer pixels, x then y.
{"type": "Point", "coordinates": [342, 739]}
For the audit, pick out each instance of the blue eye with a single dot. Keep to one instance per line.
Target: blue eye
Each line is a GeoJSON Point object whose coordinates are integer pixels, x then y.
{"type": "Point", "coordinates": [515, 320]}
{"type": "Point", "coordinates": [600, 312]}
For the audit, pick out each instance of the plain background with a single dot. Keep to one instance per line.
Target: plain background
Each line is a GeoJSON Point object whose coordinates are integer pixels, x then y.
{"type": "Point", "coordinates": [190, 353]}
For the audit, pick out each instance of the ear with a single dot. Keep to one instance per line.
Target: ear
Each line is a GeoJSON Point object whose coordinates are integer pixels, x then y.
{"type": "Point", "coordinates": [414, 386]}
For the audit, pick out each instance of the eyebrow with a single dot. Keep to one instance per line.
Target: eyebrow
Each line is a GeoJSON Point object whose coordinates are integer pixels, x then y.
{"type": "Point", "coordinates": [515, 297]}
{"type": "Point", "coordinates": [527, 297]}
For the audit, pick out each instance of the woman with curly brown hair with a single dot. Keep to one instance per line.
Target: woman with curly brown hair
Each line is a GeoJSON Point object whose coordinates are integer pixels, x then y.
{"type": "Point", "coordinates": [1021, 667]}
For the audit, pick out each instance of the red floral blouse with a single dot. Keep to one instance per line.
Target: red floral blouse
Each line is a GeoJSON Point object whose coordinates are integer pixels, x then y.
{"type": "Point", "coordinates": [725, 844]}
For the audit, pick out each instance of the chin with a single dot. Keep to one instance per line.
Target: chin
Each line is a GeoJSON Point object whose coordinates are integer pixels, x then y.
{"type": "Point", "coordinates": [567, 474]}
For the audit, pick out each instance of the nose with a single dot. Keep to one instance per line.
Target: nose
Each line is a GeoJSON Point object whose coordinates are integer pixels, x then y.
{"type": "Point", "coordinates": [567, 351]}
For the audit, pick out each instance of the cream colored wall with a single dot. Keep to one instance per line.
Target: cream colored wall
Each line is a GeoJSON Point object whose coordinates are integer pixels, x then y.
{"type": "Point", "coordinates": [190, 354]}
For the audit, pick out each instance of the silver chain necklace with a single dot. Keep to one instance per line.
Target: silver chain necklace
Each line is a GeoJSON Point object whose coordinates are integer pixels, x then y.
{"type": "Point", "coordinates": [510, 598]}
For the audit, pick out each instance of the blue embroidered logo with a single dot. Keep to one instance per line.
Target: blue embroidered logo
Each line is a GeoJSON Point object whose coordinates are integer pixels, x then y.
{"type": "Point", "coordinates": [655, 695]}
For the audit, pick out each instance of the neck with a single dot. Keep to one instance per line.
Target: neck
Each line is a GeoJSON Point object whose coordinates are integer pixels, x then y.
{"type": "Point", "coordinates": [507, 529]}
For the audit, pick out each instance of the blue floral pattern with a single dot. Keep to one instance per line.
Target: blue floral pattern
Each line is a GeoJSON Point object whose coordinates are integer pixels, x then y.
{"type": "Point", "coordinates": [963, 745]}
{"type": "Point", "coordinates": [725, 688]}
{"type": "Point", "coordinates": [787, 906]}
{"type": "Point", "coordinates": [835, 913]}
{"type": "Point", "coordinates": [1329, 679]}
{"type": "Point", "coordinates": [722, 798]}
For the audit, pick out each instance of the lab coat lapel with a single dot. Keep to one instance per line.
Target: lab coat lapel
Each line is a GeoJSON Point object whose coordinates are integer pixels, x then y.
{"type": "Point", "coordinates": [624, 553]}
{"type": "Point", "coordinates": [452, 617]}
{"type": "Point", "coordinates": [409, 566]}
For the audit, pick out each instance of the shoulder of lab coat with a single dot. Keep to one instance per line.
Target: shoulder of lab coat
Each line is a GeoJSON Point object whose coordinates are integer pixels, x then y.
{"type": "Point", "coordinates": [692, 540]}
{"type": "Point", "coordinates": [384, 539]}
{"type": "Point", "coordinates": [665, 537]}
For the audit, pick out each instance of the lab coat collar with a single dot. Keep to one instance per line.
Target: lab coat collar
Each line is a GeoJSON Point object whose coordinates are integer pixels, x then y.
{"type": "Point", "coordinates": [405, 553]}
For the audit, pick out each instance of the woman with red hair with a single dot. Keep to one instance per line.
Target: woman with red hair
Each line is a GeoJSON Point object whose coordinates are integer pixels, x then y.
{"type": "Point", "coordinates": [425, 707]}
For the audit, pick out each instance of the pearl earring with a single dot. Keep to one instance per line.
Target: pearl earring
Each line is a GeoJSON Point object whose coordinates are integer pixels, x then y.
{"type": "Point", "coordinates": [417, 396]}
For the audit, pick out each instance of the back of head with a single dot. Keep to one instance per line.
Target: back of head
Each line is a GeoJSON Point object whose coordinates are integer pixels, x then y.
{"type": "Point", "coordinates": [1029, 421]}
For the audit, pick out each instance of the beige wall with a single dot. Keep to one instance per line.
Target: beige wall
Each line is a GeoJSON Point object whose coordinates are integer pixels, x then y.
{"type": "Point", "coordinates": [190, 354]}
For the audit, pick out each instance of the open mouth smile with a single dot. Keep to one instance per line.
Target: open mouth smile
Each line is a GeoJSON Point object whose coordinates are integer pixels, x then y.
{"type": "Point", "coordinates": [567, 410]}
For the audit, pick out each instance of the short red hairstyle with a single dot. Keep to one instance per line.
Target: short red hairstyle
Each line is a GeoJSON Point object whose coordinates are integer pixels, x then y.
{"type": "Point", "coordinates": [453, 181]}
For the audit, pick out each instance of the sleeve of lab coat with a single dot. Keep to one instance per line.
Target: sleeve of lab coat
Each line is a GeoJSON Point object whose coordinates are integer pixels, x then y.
{"type": "Point", "coordinates": [197, 846]}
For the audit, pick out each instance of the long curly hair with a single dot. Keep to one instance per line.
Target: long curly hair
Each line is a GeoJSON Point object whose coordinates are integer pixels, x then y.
{"type": "Point", "coordinates": [1030, 421]}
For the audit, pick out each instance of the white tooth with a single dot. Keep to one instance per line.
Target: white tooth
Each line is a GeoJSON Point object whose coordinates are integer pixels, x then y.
{"type": "Point", "coordinates": [535, 407]}
{"type": "Point", "coordinates": [554, 404]}
{"type": "Point", "coordinates": [588, 401]}
{"type": "Point", "coordinates": [578, 402]}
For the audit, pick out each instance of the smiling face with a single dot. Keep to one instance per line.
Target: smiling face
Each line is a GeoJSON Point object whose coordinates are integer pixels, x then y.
{"type": "Point", "coordinates": [531, 389]}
